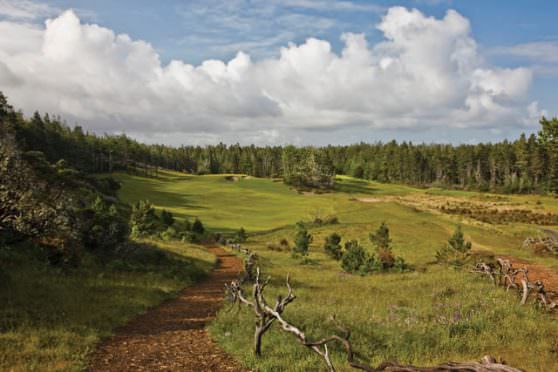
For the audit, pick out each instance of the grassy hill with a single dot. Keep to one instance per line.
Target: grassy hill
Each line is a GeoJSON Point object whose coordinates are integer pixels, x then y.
{"type": "Point", "coordinates": [431, 315]}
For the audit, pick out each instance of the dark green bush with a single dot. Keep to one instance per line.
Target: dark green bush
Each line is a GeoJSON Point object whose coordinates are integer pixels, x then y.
{"type": "Point", "coordinates": [167, 218]}
{"type": "Point", "coordinates": [302, 240]}
{"type": "Point", "coordinates": [332, 246]}
{"type": "Point", "coordinates": [143, 220]}
{"type": "Point", "coordinates": [241, 236]}
{"type": "Point", "coordinates": [197, 227]}
{"type": "Point", "coordinates": [355, 259]}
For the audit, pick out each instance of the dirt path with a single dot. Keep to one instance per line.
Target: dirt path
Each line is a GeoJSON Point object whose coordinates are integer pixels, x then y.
{"type": "Point", "coordinates": [537, 271]}
{"type": "Point", "coordinates": [172, 336]}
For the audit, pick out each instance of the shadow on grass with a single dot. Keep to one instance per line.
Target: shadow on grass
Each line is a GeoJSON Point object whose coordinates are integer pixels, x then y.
{"type": "Point", "coordinates": [354, 187]}
{"type": "Point", "coordinates": [85, 305]}
{"type": "Point", "coordinates": [163, 199]}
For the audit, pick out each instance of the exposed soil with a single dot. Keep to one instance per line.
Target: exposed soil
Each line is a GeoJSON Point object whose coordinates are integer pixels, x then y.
{"type": "Point", "coordinates": [537, 272]}
{"type": "Point", "coordinates": [370, 200]}
{"type": "Point", "coordinates": [172, 336]}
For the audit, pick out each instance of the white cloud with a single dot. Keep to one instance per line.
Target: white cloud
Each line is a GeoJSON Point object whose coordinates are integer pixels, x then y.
{"type": "Point", "coordinates": [331, 5]}
{"type": "Point", "coordinates": [259, 26]}
{"type": "Point", "coordinates": [425, 74]}
{"type": "Point", "coordinates": [25, 9]}
{"type": "Point", "coordinates": [540, 51]}
{"type": "Point", "coordinates": [540, 56]}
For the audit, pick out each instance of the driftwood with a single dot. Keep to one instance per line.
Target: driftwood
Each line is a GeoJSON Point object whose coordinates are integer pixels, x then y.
{"type": "Point", "coordinates": [266, 315]}
{"type": "Point", "coordinates": [507, 276]}
{"type": "Point", "coordinates": [546, 244]}
{"type": "Point", "coordinates": [486, 269]}
{"type": "Point", "coordinates": [249, 262]}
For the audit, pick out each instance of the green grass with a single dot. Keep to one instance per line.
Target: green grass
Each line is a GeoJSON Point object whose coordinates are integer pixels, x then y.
{"type": "Point", "coordinates": [431, 315]}
{"type": "Point", "coordinates": [52, 321]}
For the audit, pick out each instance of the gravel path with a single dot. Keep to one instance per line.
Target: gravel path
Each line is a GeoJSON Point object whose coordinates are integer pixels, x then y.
{"type": "Point", "coordinates": [172, 336]}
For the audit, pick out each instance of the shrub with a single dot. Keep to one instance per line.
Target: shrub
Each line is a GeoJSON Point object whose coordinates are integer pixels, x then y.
{"type": "Point", "coordinates": [284, 243]}
{"type": "Point", "coordinates": [189, 237]}
{"type": "Point", "coordinates": [63, 252]}
{"type": "Point", "coordinates": [102, 229]}
{"type": "Point", "coordinates": [143, 220]}
{"type": "Point", "coordinates": [241, 236]}
{"type": "Point", "coordinates": [302, 240]}
{"type": "Point", "coordinates": [167, 218]}
{"type": "Point", "coordinates": [169, 234]}
{"type": "Point", "coordinates": [457, 251]}
{"type": "Point", "coordinates": [331, 220]}
{"type": "Point", "coordinates": [182, 227]}
{"type": "Point", "coordinates": [328, 220]}
{"type": "Point", "coordinates": [355, 259]}
{"type": "Point", "coordinates": [332, 246]}
{"type": "Point", "coordinates": [382, 241]}
{"type": "Point", "coordinates": [197, 227]}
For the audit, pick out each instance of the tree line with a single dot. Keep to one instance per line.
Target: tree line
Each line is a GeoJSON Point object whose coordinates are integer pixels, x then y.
{"type": "Point", "coordinates": [528, 164]}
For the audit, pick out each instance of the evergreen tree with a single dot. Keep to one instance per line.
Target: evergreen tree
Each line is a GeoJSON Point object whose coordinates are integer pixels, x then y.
{"type": "Point", "coordinates": [197, 227]}
{"type": "Point", "coordinates": [355, 259]}
{"type": "Point", "coordinates": [241, 235]}
{"type": "Point", "coordinates": [456, 251]}
{"type": "Point", "coordinates": [103, 230]}
{"type": "Point", "coordinates": [143, 220]}
{"type": "Point", "coordinates": [167, 218]}
{"type": "Point", "coordinates": [302, 240]}
{"type": "Point", "coordinates": [525, 165]}
{"type": "Point", "coordinates": [382, 241]}
{"type": "Point", "coordinates": [548, 137]}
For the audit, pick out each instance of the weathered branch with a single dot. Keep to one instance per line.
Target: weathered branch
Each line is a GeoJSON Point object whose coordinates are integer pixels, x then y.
{"type": "Point", "coordinates": [507, 277]}
{"type": "Point", "coordinates": [266, 315]}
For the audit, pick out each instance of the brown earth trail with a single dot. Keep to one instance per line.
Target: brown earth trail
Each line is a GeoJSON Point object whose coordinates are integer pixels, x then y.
{"type": "Point", "coordinates": [172, 336]}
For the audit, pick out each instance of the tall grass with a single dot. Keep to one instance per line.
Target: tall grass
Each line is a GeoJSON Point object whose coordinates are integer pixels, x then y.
{"type": "Point", "coordinates": [428, 316]}
{"type": "Point", "coordinates": [51, 320]}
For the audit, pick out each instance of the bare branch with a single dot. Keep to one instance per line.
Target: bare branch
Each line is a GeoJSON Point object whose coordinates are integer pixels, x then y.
{"type": "Point", "coordinates": [267, 315]}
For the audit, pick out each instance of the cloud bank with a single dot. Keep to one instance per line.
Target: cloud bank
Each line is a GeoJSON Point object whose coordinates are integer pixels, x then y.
{"type": "Point", "coordinates": [426, 73]}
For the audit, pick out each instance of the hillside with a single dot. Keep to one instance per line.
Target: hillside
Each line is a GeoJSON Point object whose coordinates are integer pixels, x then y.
{"type": "Point", "coordinates": [432, 314]}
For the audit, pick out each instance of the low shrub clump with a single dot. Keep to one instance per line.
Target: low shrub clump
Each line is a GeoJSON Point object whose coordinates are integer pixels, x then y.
{"type": "Point", "coordinates": [332, 246]}
{"type": "Point", "coordinates": [145, 223]}
{"type": "Point", "coordinates": [355, 259]}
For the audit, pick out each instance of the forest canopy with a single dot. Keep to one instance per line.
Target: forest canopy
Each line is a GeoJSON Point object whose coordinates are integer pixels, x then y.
{"type": "Point", "coordinates": [525, 165]}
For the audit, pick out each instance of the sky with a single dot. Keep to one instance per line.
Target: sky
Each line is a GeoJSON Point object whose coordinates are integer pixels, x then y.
{"type": "Point", "coordinates": [272, 72]}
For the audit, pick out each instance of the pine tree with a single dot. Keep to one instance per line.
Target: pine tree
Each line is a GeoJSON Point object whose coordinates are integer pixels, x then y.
{"type": "Point", "coordinates": [143, 220]}
{"type": "Point", "coordinates": [355, 257]}
{"type": "Point", "coordinates": [382, 241]}
{"type": "Point", "coordinates": [167, 218]}
{"type": "Point", "coordinates": [456, 251]}
{"type": "Point", "coordinates": [197, 227]}
{"type": "Point", "coordinates": [548, 137]}
{"type": "Point", "coordinates": [302, 240]}
{"type": "Point", "coordinates": [241, 235]}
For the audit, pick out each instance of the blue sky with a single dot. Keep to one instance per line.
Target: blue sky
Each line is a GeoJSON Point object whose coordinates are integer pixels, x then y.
{"type": "Point", "coordinates": [514, 36]}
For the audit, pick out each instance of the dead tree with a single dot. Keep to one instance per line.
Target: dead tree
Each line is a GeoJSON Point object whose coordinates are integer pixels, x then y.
{"type": "Point", "coordinates": [507, 276]}
{"type": "Point", "coordinates": [486, 269]}
{"type": "Point", "coordinates": [508, 273]}
{"type": "Point", "coordinates": [249, 262]}
{"type": "Point", "coordinates": [266, 315]}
